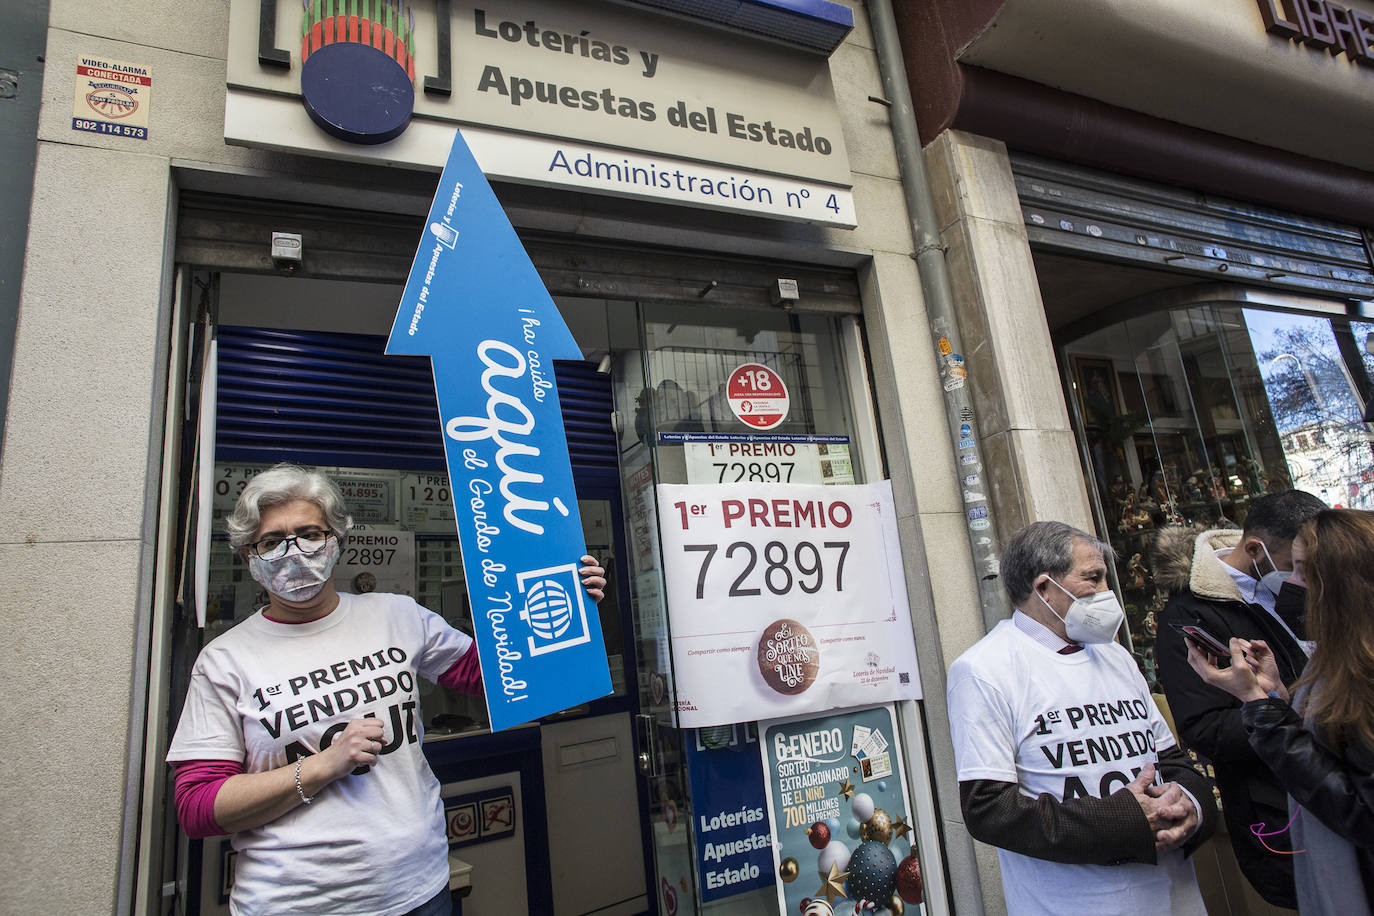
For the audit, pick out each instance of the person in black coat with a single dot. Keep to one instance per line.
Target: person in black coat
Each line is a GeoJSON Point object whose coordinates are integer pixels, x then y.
{"type": "Point", "coordinates": [1322, 751]}
{"type": "Point", "coordinates": [1227, 582]}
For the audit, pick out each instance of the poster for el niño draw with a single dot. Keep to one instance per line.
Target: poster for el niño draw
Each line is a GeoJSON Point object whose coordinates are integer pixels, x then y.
{"type": "Point", "coordinates": [784, 600]}
{"type": "Point", "coordinates": [842, 824]}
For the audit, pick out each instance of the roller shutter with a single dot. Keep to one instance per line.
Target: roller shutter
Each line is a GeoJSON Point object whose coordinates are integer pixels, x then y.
{"type": "Point", "coordinates": [335, 399]}
{"type": "Point", "coordinates": [1074, 210]}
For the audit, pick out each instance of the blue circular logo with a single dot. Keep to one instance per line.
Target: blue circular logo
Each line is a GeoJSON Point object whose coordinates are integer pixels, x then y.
{"type": "Point", "coordinates": [357, 93]}
{"type": "Point", "coordinates": [549, 609]}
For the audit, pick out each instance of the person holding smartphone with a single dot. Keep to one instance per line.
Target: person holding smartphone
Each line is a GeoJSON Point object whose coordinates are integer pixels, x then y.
{"type": "Point", "coordinates": [1226, 583]}
{"type": "Point", "coordinates": [1321, 747]}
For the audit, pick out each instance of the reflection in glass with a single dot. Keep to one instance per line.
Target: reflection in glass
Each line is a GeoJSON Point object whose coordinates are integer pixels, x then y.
{"type": "Point", "coordinates": [1319, 417]}
{"type": "Point", "coordinates": [1187, 416]}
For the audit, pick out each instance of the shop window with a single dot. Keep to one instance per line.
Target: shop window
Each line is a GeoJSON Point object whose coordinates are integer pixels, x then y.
{"type": "Point", "coordinates": [1186, 416]}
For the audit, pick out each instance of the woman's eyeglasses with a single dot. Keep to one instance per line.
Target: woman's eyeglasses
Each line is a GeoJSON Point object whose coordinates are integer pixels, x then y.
{"type": "Point", "coordinates": [273, 547]}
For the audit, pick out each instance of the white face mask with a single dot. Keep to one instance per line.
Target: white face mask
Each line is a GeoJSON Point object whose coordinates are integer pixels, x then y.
{"type": "Point", "coordinates": [296, 576]}
{"type": "Point", "coordinates": [1091, 619]}
{"type": "Point", "coordinates": [1274, 579]}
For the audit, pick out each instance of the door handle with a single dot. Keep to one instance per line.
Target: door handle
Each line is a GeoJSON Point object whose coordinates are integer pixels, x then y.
{"type": "Point", "coordinates": [646, 737]}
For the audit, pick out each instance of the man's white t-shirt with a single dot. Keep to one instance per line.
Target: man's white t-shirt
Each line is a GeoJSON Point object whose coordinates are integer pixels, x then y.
{"type": "Point", "coordinates": [1070, 726]}
{"type": "Point", "coordinates": [266, 693]}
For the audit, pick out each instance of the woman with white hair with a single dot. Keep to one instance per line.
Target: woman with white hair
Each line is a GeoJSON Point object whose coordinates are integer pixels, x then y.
{"type": "Point", "coordinates": [301, 732]}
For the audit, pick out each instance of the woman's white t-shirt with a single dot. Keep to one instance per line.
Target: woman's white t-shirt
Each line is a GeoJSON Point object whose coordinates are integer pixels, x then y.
{"type": "Point", "coordinates": [1070, 726]}
{"type": "Point", "coordinates": [267, 693]}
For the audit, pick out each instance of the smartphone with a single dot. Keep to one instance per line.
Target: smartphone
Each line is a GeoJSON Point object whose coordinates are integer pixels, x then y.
{"type": "Point", "coordinates": [1204, 641]}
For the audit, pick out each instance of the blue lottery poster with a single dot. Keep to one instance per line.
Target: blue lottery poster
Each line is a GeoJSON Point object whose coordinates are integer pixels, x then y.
{"type": "Point", "coordinates": [475, 305]}
{"type": "Point", "coordinates": [730, 817]}
{"type": "Point", "coordinates": [843, 839]}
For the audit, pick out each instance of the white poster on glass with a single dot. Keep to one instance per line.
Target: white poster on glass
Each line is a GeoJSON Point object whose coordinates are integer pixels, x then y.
{"type": "Point", "coordinates": [784, 600]}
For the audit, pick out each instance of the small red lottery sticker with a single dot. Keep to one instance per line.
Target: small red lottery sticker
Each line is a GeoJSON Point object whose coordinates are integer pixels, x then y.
{"type": "Point", "coordinates": [757, 396]}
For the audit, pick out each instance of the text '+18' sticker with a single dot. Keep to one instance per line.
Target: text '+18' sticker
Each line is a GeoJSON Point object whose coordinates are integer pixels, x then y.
{"type": "Point", "coordinates": [757, 396]}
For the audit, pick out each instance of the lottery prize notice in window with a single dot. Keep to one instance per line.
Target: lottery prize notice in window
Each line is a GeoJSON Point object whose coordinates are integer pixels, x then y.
{"type": "Point", "coordinates": [784, 600]}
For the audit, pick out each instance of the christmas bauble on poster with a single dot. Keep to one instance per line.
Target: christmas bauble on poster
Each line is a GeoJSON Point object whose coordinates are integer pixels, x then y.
{"type": "Point", "coordinates": [909, 883]}
{"type": "Point", "coordinates": [872, 872]}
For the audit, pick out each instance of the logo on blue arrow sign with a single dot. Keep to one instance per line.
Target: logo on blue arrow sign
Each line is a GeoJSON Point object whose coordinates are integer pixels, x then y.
{"type": "Point", "coordinates": [475, 305]}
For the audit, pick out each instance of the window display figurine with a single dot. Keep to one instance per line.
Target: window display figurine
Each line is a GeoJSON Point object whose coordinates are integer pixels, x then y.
{"type": "Point", "coordinates": [1192, 490]}
{"type": "Point", "coordinates": [1136, 573]}
{"type": "Point", "coordinates": [1151, 508]}
{"type": "Point", "coordinates": [1120, 490]}
{"type": "Point", "coordinates": [1216, 485]}
{"type": "Point", "coordinates": [1254, 475]}
{"type": "Point", "coordinates": [1235, 487]}
{"type": "Point", "coordinates": [1159, 489]}
{"type": "Point", "coordinates": [1134, 517]}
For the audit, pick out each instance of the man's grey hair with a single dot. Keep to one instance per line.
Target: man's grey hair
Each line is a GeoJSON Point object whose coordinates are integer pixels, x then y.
{"type": "Point", "coordinates": [283, 484]}
{"type": "Point", "coordinates": [1043, 548]}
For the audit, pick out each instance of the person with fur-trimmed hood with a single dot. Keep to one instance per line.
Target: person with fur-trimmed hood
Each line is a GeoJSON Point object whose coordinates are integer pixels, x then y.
{"type": "Point", "coordinates": [1233, 583]}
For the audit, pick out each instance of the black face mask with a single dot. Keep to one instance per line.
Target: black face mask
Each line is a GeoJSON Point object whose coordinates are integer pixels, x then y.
{"type": "Point", "coordinates": [1291, 606]}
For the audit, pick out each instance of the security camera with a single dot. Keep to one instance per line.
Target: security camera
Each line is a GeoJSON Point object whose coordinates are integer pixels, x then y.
{"type": "Point", "coordinates": [286, 251]}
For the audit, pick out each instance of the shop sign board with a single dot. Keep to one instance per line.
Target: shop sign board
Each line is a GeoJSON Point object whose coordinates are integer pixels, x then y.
{"type": "Point", "coordinates": [757, 396]}
{"type": "Point", "coordinates": [475, 305]}
{"type": "Point", "coordinates": [784, 599]}
{"type": "Point", "coordinates": [836, 784]}
{"type": "Point", "coordinates": [112, 97]}
{"type": "Point", "coordinates": [603, 98]}
{"type": "Point", "coordinates": [730, 817]}
{"type": "Point", "coordinates": [1326, 26]}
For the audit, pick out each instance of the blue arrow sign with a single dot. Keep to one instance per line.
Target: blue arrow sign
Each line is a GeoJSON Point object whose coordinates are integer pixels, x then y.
{"type": "Point", "coordinates": [476, 306]}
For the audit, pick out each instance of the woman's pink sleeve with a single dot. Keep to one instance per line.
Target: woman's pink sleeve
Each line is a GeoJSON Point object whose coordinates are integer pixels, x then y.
{"type": "Point", "coordinates": [466, 674]}
{"type": "Point", "coordinates": [197, 784]}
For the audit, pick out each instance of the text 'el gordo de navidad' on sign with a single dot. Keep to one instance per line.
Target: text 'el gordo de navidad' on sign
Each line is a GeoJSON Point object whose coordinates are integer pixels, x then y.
{"type": "Point", "coordinates": [475, 305]}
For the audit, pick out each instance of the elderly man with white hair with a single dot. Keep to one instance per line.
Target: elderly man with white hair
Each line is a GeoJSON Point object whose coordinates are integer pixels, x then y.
{"type": "Point", "coordinates": [1064, 761]}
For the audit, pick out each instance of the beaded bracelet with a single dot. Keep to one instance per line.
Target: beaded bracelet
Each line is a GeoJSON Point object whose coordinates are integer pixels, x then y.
{"type": "Point", "coordinates": [299, 791]}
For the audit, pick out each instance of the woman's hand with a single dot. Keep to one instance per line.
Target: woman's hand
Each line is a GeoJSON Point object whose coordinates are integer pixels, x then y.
{"type": "Point", "coordinates": [593, 578]}
{"type": "Point", "coordinates": [1253, 672]}
{"type": "Point", "coordinates": [250, 800]}
{"type": "Point", "coordinates": [1266, 668]}
{"type": "Point", "coordinates": [357, 745]}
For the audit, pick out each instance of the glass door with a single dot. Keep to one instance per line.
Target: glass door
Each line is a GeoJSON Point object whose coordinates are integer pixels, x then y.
{"type": "Point", "coordinates": [670, 397]}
